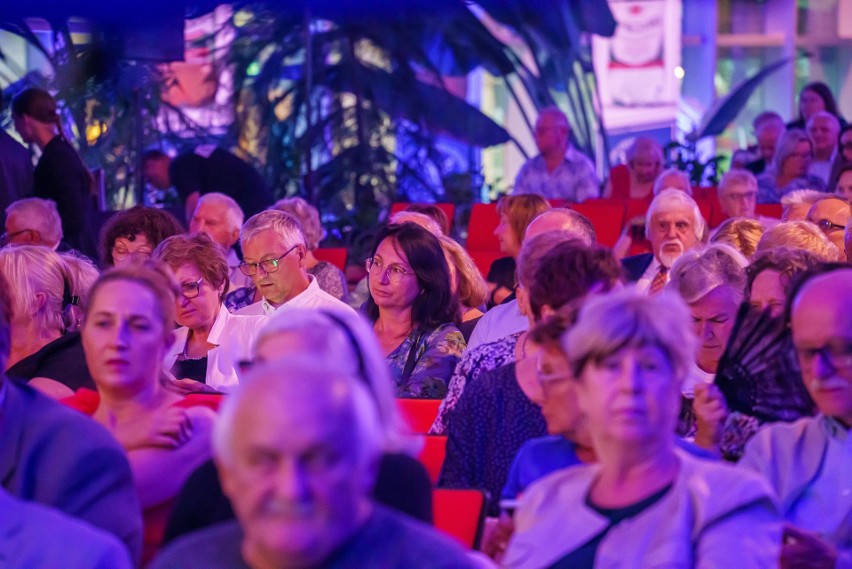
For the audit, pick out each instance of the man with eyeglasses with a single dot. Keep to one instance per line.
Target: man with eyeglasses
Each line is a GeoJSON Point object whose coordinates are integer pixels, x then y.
{"type": "Point", "coordinates": [32, 221]}
{"type": "Point", "coordinates": [809, 462]}
{"type": "Point", "coordinates": [274, 257]}
{"type": "Point", "coordinates": [831, 214]}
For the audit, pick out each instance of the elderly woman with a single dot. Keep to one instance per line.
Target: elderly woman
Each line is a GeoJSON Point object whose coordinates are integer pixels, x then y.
{"type": "Point", "coordinates": [644, 499]}
{"type": "Point", "coordinates": [330, 278]}
{"type": "Point", "coordinates": [466, 283]}
{"type": "Point", "coordinates": [132, 235]}
{"type": "Point", "coordinates": [740, 233]}
{"type": "Point", "coordinates": [413, 310]}
{"type": "Point", "coordinates": [127, 331]}
{"type": "Point", "coordinates": [47, 289]}
{"type": "Point", "coordinates": [802, 235]}
{"type": "Point", "coordinates": [771, 274]}
{"type": "Point", "coordinates": [789, 169]}
{"type": "Point", "coordinates": [402, 482]}
{"type": "Point", "coordinates": [211, 341]}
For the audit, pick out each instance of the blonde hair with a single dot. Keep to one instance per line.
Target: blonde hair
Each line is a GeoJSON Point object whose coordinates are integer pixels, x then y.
{"type": "Point", "coordinates": [472, 290]}
{"type": "Point", "coordinates": [308, 217]}
{"type": "Point", "coordinates": [742, 233]}
{"type": "Point", "coordinates": [520, 210]}
{"type": "Point", "coordinates": [800, 235]}
{"type": "Point", "coordinates": [698, 272]}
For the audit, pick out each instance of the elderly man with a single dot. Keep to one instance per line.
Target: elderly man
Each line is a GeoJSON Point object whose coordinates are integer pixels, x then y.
{"type": "Point", "coordinates": [831, 214]}
{"type": "Point", "coordinates": [673, 225]}
{"type": "Point", "coordinates": [559, 171]}
{"type": "Point", "coordinates": [809, 462]}
{"type": "Point", "coordinates": [221, 218]}
{"type": "Point", "coordinates": [673, 179]}
{"type": "Point", "coordinates": [768, 127]}
{"type": "Point", "coordinates": [738, 193]}
{"type": "Point", "coordinates": [636, 180]}
{"type": "Point", "coordinates": [297, 449]}
{"type": "Point", "coordinates": [32, 221]}
{"type": "Point", "coordinates": [823, 128]}
{"type": "Point", "coordinates": [274, 257]}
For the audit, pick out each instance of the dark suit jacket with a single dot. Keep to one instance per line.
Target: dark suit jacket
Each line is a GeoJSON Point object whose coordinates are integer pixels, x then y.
{"type": "Point", "coordinates": [635, 266]}
{"type": "Point", "coordinates": [16, 172]}
{"type": "Point", "coordinates": [56, 456]}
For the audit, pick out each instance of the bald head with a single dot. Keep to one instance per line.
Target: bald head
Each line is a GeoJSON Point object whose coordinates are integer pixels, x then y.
{"type": "Point", "coordinates": [562, 219]}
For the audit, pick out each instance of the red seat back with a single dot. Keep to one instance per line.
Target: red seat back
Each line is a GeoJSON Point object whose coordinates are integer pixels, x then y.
{"type": "Point", "coordinates": [460, 514]}
{"type": "Point", "coordinates": [334, 255]}
{"type": "Point", "coordinates": [480, 229]}
{"type": "Point", "coordinates": [483, 259]}
{"type": "Point", "coordinates": [773, 210]}
{"type": "Point", "coordinates": [432, 455]}
{"type": "Point", "coordinates": [419, 413]}
{"type": "Point", "coordinates": [606, 215]}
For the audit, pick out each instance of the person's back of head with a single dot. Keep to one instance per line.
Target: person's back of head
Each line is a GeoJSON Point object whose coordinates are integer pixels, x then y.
{"type": "Point", "coordinates": [800, 235]}
{"type": "Point", "coordinates": [562, 219]}
{"type": "Point", "coordinates": [308, 217]}
{"type": "Point", "coordinates": [740, 233]}
{"type": "Point", "coordinates": [5, 322]}
{"type": "Point", "coordinates": [35, 215]}
{"type": "Point", "coordinates": [700, 271]}
{"type": "Point", "coordinates": [435, 212]}
{"type": "Point", "coordinates": [417, 218]}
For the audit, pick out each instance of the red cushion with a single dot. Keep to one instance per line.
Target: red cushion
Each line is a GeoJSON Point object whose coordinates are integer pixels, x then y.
{"type": "Point", "coordinates": [607, 216]}
{"type": "Point", "coordinates": [480, 228]}
{"type": "Point", "coordinates": [432, 455]}
{"type": "Point", "coordinates": [419, 413]}
{"type": "Point", "coordinates": [459, 514]}
{"type": "Point", "coordinates": [334, 255]}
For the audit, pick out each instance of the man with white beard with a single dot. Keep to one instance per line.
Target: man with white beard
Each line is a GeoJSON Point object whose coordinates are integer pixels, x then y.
{"type": "Point", "coordinates": [673, 225]}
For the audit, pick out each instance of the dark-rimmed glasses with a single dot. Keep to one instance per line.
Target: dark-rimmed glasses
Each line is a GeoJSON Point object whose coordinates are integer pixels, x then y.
{"type": "Point", "coordinates": [828, 226]}
{"type": "Point", "coordinates": [191, 289]}
{"type": "Point", "coordinates": [269, 266]}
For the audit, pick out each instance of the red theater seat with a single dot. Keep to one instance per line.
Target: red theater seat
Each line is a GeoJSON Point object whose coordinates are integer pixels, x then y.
{"type": "Point", "coordinates": [432, 455]}
{"type": "Point", "coordinates": [334, 255]}
{"type": "Point", "coordinates": [606, 215]}
{"type": "Point", "coordinates": [460, 514]}
{"type": "Point", "coordinates": [419, 413]}
{"type": "Point", "coordinates": [480, 228]}
{"type": "Point", "coordinates": [483, 259]}
{"type": "Point", "coordinates": [773, 210]}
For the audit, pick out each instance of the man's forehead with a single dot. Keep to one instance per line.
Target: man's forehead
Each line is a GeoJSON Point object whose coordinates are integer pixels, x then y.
{"type": "Point", "coordinates": [825, 295]}
{"type": "Point", "coordinates": [674, 214]}
{"type": "Point", "coordinates": [829, 207]}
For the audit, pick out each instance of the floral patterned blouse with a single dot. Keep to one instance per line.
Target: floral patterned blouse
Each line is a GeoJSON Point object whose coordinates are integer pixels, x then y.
{"type": "Point", "coordinates": [436, 354]}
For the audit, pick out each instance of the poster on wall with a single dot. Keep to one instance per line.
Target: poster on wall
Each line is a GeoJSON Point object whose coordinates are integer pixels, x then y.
{"type": "Point", "coordinates": [637, 69]}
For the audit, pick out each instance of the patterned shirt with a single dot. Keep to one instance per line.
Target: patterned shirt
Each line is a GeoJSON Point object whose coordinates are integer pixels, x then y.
{"type": "Point", "coordinates": [573, 180]}
{"type": "Point", "coordinates": [437, 353]}
{"type": "Point", "coordinates": [331, 280]}
{"type": "Point", "coordinates": [475, 361]}
{"type": "Point", "coordinates": [769, 192]}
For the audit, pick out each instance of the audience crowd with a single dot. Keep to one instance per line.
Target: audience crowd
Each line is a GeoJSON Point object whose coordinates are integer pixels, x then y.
{"type": "Point", "coordinates": [210, 393]}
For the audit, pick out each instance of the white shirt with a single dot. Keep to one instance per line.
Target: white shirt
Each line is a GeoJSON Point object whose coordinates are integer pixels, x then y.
{"type": "Point", "coordinates": [233, 337]}
{"type": "Point", "coordinates": [235, 277]}
{"type": "Point", "coordinates": [501, 321]}
{"type": "Point", "coordinates": [644, 284]}
{"type": "Point", "coordinates": [311, 297]}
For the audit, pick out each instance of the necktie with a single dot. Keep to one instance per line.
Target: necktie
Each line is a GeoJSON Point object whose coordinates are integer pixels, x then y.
{"type": "Point", "coordinates": [659, 282]}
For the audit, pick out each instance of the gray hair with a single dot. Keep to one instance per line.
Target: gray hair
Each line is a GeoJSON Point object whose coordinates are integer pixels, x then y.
{"type": "Point", "coordinates": [801, 197]}
{"type": "Point", "coordinates": [627, 318]}
{"type": "Point", "coordinates": [659, 184]}
{"type": "Point", "coordinates": [800, 235]}
{"type": "Point", "coordinates": [234, 215]}
{"type": "Point", "coordinates": [42, 215]}
{"type": "Point", "coordinates": [346, 337]}
{"type": "Point", "coordinates": [668, 200]}
{"type": "Point", "coordinates": [572, 221]}
{"type": "Point", "coordinates": [278, 379]}
{"type": "Point", "coordinates": [697, 273]}
{"type": "Point", "coordinates": [824, 115]}
{"type": "Point", "coordinates": [308, 217]}
{"type": "Point", "coordinates": [417, 218]}
{"type": "Point", "coordinates": [643, 143]}
{"type": "Point", "coordinates": [786, 146]}
{"type": "Point", "coordinates": [737, 177]}
{"type": "Point", "coordinates": [283, 224]}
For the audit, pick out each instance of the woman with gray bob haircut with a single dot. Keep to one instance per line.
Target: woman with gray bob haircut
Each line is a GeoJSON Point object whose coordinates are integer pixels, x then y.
{"type": "Point", "coordinates": [644, 499]}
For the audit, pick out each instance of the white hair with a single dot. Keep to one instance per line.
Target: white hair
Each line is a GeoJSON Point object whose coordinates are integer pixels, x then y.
{"type": "Point", "coordinates": [287, 227]}
{"type": "Point", "coordinates": [698, 272]}
{"type": "Point", "coordinates": [417, 218]}
{"type": "Point", "coordinates": [737, 177]}
{"type": "Point", "coordinates": [234, 215]}
{"type": "Point", "coordinates": [660, 184]}
{"type": "Point", "coordinates": [801, 197]}
{"type": "Point", "coordinates": [824, 115]}
{"type": "Point", "coordinates": [41, 216]}
{"type": "Point", "coordinates": [669, 200]}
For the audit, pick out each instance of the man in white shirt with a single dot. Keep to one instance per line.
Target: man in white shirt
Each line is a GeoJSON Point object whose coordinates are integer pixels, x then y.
{"type": "Point", "coordinates": [274, 257]}
{"type": "Point", "coordinates": [220, 217]}
{"type": "Point", "coordinates": [673, 225]}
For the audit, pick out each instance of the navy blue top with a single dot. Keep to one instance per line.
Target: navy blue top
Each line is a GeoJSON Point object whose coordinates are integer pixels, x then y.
{"type": "Point", "coordinates": [536, 459]}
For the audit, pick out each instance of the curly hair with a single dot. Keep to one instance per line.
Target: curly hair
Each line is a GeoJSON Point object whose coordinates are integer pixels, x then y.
{"type": "Point", "coordinates": [155, 224]}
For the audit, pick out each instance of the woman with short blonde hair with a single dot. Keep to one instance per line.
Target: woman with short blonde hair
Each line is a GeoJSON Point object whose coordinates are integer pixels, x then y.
{"type": "Point", "coordinates": [466, 283]}
{"type": "Point", "coordinates": [800, 235]}
{"type": "Point", "coordinates": [741, 233]}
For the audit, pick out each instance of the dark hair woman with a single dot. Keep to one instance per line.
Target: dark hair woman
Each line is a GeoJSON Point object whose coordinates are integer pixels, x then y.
{"type": "Point", "coordinates": [413, 310]}
{"type": "Point", "coordinates": [133, 234]}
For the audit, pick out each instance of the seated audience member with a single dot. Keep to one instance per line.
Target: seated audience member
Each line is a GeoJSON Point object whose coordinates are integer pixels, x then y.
{"type": "Point", "coordinates": [768, 127]}
{"type": "Point", "coordinates": [807, 462]}
{"type": "Point", "coordinates": [210, 341]}
{"type": "Point", "coordinates": [127, 331]}
{"type": "Point", "coordinates": [789, 169]}
{"type": "Point", "coordinates": [275, 257]}
{"type": "Point", "coordinates": [324, 336]}
{"type": "Point", "coordinates": [466, 284]}
{"type": "Point", "coordinates": [847, 239]}
{"type": "Point", "coordinates": [823, 128]}
{"type": "Point", "coordinates": [221, 218]}
{"type": "Point", "coordinates": [47, 289]}
{"type": "Point", "coordinates": [643, 499]}
{"type": "Point", "coordinates": [831, 214]}
{"type": "Point", "coordinates": [813, 98]}
{"type": "Point", "coordinates": [32, 535]}
{"type": "Point", "coordinates": [770, 275]}
{"type": "Point", "coordinates": [131, 236]}
{"type": "Point", "coordinates": [711, 281]}
{"type": "Point", "coordinates": [32, 221]}
{"type": "Point", "coordinates": [673, 225]}
{"type": "Point", "coordinates": [560, 171]}
{"type": "Point", "coordinates": [635, 180]}
{"type": "Point", "coordinates": [740, 233]}
{"type": "Point", "coordinates": [501, 281]}
{"type": "Point", "coordinates": [506, 319]}
{"type": "Point", "coordinates": [673, 179]}
{"type": "Point", "coordinates": [325, 474]}
{"type": "Point", "coordinates": [53, 456]}
{"type": "Point", "coordinates": [797, 203]}
{"type": "Point", "coordinates": [497, 411]}
{"type": "Point", "coordinates": [516, 213]}
{"type": "Point", "coordinates": [413, 310]}
{"type": "Point", "coordinates": [737, 193]}
{"type": "Point", "coordinates": [330, 278]}
{"type": "Point", "coordinates": [498, 331]}
{"type": "Point", "coordinates": [842, 188]}
{"type": "Point", "coordinates": [802, 235]}
{"type": "Point", "coordinates": [434, 212]}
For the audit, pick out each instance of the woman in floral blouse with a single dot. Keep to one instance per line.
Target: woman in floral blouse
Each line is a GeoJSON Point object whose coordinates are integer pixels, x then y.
{"type": "Point", "coordinates": [413, 310]}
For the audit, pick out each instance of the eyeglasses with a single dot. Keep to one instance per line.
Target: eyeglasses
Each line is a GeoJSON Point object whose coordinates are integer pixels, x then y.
{"type": "Point", "coordinates": [122, 254]}
{"type": "Point", "coordinates": [827, 226]}
{"type": "Point", "coordinates": [745, 196]}
{"type": "Point", "coordinates": [837, 355]}
{"type": "Point", "coordinates": [394, 272]}
{"type": "Point", "coordinates": [6, 238]}
{"type": "Point", "coordinates": [191, 289]}
{"type": "Point", "coordinates": [269, 266]}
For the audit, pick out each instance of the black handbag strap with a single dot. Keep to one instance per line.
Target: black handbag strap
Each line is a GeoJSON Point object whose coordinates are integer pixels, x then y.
{"type": "Point", "coordinates": [412, 356]}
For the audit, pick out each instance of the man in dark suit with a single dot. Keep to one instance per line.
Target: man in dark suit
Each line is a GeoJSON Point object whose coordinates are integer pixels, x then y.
{"type": "Point", "coordinates": [673, 225]}
{"type": "Point", "coordinates": [56, 456]}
